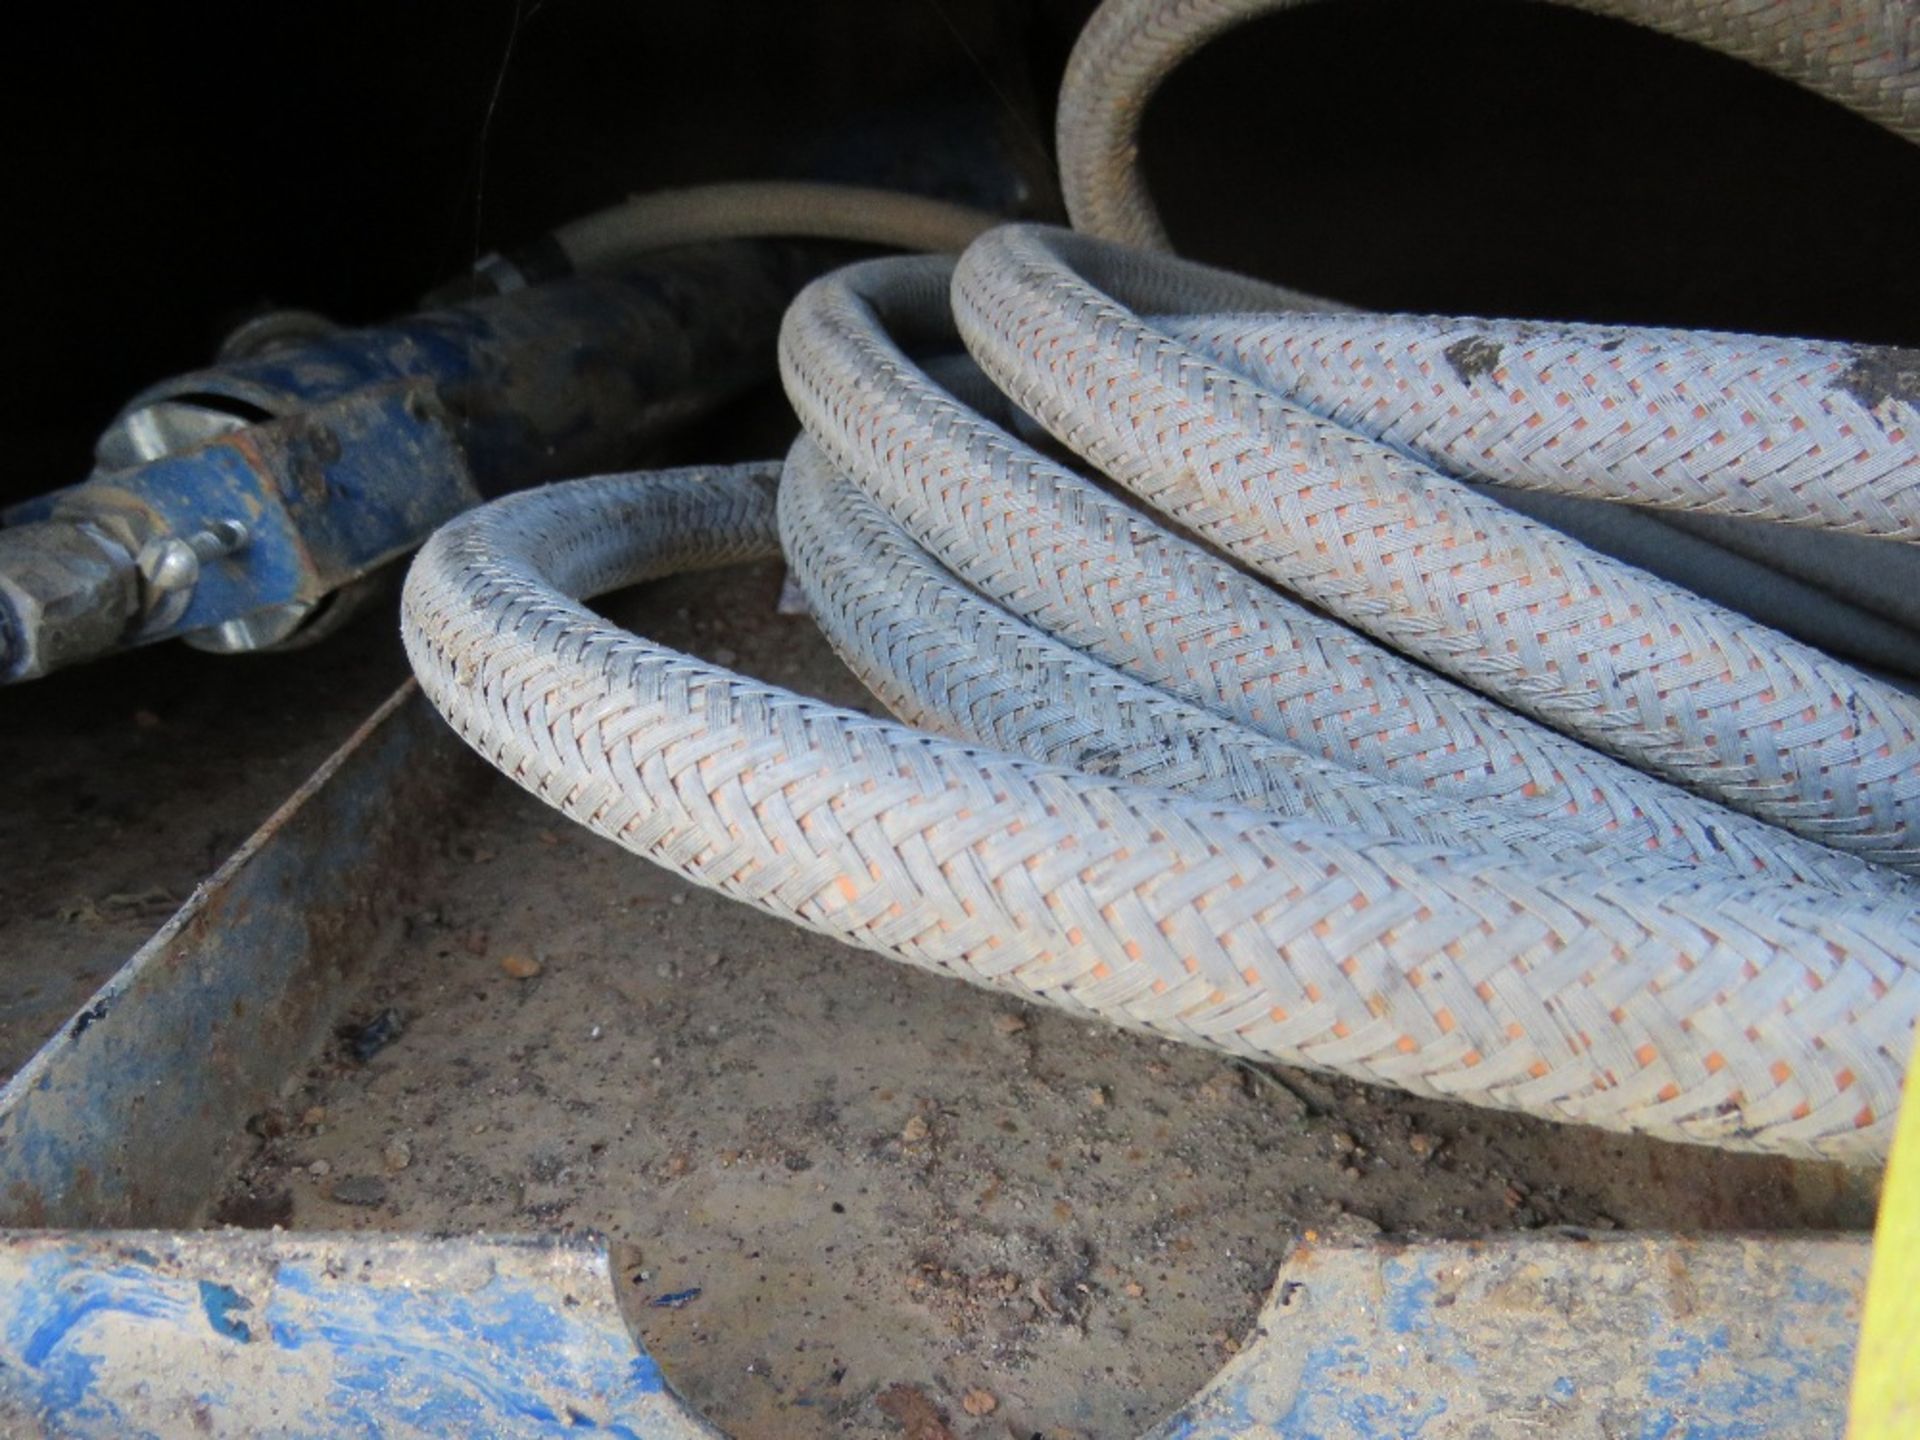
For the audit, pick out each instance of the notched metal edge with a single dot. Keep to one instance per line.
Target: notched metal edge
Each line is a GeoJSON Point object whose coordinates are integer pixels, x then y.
{"type": "Point", "coordinates": [118, 1332]}
{"type": "Point", "coordinates": [130, 1112]}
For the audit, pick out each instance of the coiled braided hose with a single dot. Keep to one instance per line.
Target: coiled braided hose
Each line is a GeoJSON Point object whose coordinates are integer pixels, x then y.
{"type": "Point", "coordinates": [1568, 839]}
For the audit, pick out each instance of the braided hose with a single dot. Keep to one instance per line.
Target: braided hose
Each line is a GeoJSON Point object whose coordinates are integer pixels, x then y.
{"type": "Point", "coordinates": [1569, 839]}
{"type": "Point", "coordinates": [1863, 54]}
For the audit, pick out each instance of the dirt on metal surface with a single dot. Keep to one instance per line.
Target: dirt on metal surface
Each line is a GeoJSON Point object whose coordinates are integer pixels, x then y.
{"type": "Point", "coordinates": [128, 782]}
{"type": "Point", "coordinates": [857, 1199]}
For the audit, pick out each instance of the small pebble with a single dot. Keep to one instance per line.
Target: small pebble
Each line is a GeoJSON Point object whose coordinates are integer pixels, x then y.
{"type": "Point", "coordinates": [360, 1190]}
{"type": "Point", "coordinates": [979, 1402]}
{"type": "Point", "coordinates": [1009, 1024]}
{"type": "Point", "coordinates": [315, 1115]}
{"type": "Point", "coordinates": [520, 967]}
{"type": "Point", "coordinates": [594, 1034]}
{"type": "Point", "coordinates": [319, 1169]}
{"type": "Point", "coordinates": [398, 1155]}
{"type": "Point", "coordinates": [1351, 1225]}
{"type": "Point", "coordinates": [1422, 1144]}
{"type": "Point", "coordinates": [368, 1040]}
{"type": "Point", "coordinates": [915, 1130]}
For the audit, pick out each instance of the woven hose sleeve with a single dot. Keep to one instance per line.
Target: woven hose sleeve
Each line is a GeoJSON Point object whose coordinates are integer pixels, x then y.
{"type": "Point", "coordinates": [1258, 720]}
{"type": "Point", "coordinates": [1051, 546]}
{"type": "Point", "coordinates": [1547, 986]}
{"type": "Point", "coordinates": [1859, 53]}
{"type": "Point", "coordinates": [1630, 664]}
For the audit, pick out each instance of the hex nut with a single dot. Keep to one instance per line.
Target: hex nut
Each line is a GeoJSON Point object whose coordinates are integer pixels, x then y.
{"type": "Point", "coordinates": [67, 593]}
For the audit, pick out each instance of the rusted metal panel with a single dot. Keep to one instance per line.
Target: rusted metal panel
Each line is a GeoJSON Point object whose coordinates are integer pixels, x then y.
{"type": "Point", "coordinates": [129, 1115]}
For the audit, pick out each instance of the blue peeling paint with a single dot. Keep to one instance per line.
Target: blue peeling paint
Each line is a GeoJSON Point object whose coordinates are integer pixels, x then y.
{"type": "Point", "coordinates": [46, 1322]}
{"type": "Point", "coordinates": [1334, 1398]}
{"type": "Point", "coordinates": [1409, 1296]}
{"type": "Point", "coordinates": [396, 1348]}
{"type": "Point", "coordinates": [1741, 1406]}
{"type": "Point", "coordinates": [1759, 1350]}
{"type": "Point", "coordinates": [1811, 1289]}
{"type": "Point", "coordinates": [644, 1375]}
{"type": "Point", "coordinates": [220, 1301]}
{"type": "Point", "coordinates": [1411, 1309]}
{"type": "Point", "coordinates": [376, 1339]}
{"type": "Point", "coordinates": [51, 1331]}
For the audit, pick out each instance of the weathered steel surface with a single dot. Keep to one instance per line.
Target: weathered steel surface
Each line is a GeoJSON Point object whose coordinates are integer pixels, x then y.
{"type": "Point", "coordinates": [249, 1334]}
{"type": "Point", "coordinates": [1630, 1337]}
{"type": "Point", "coordinates": [129, 1115]}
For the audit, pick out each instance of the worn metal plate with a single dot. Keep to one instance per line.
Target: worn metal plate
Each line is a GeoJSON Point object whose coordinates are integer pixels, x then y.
{"type": "Point", "coordinates": [129, 1115]}
{"type": "Point", "coordinates": [1622, 1337]}
{"type": "Point", "coordinates": [249, 1334]}
{"type": "Point", "coordinates": [240, 1333]}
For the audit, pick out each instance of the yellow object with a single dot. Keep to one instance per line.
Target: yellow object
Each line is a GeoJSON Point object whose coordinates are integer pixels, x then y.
{"type": "Point", "coordinates": [1886, 1377]}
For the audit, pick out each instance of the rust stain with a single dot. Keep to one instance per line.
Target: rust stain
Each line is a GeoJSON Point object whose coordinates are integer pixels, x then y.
{"type": "Point", "coordinates": [1683, 1295]}
{"type": "Point", "coordinates": [917, 1416]}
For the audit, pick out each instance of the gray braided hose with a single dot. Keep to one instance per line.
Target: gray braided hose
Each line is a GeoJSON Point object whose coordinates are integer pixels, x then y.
{"type": "Point", "coordinates": [1568, 839]}
{"type": "Point", "coordinates": [1863, 54]}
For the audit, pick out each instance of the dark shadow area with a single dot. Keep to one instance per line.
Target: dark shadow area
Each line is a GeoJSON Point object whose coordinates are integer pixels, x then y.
{"type": "Point", "coordinates": [1510, 158]}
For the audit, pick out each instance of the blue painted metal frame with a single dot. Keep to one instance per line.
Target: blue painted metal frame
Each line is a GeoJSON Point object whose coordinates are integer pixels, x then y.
{"type": "Point", "coordinates": [327, 495]}
{"type": "Point", "coordinates": [152, 1334]}
{"type": "Point", "coordinates": [360, 443]}
{"type": "Point", "coordinates": [147, 1333]}
{"type": "Point", "coordinates": [1617, 1337]}
{"type": "Point", "coordinates": [130, 1114]}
